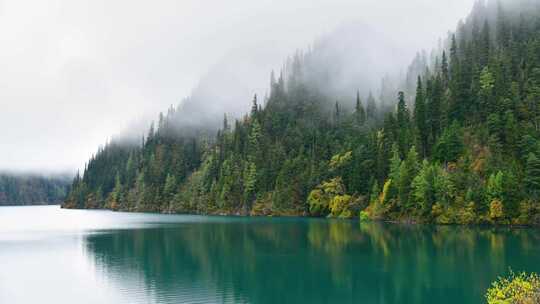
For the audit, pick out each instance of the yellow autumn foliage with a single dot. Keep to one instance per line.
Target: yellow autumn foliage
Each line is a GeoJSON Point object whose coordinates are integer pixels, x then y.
{"type": "Point", "coordinates": [496, 210]}
{"type": "Point", "coordinates": [517, 289]}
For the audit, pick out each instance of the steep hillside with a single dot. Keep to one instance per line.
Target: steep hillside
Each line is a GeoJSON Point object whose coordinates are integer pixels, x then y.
{"type": "Point", "coordinates": [462, 149]}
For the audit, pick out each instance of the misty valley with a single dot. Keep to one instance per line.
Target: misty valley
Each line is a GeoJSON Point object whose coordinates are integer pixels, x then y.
{"type": "Point", "coordinates": [354, 176]}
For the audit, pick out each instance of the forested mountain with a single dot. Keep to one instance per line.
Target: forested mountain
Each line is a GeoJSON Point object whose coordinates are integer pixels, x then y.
{"type": "Point", "coordinates": [460, 148]}
{"type": "Point", "coordinates": [32, 190]}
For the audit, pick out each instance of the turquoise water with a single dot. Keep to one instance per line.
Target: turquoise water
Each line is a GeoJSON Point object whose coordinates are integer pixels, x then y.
{"type": "Point", "coordinates": [50, 255]}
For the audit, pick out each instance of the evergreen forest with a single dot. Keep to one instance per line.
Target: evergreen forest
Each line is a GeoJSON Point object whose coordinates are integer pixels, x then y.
{"type": "Point", "coordinates": [456, 141]}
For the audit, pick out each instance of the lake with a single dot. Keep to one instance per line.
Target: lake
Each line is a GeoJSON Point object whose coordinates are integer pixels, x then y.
{"type": "Point", "coordinates": [50, 255]}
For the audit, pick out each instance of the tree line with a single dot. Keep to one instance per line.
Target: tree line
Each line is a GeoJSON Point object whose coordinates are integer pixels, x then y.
{"type": "Point", "coordinates": [32, 190]}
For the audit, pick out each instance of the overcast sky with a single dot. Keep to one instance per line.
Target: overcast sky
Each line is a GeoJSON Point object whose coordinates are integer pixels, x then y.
{"type": "Point", "coordinates": [75, 72]}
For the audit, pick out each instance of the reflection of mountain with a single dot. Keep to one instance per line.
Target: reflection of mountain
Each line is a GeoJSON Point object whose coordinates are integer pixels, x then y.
{"type": "Point", "coordinates": [311, 261]}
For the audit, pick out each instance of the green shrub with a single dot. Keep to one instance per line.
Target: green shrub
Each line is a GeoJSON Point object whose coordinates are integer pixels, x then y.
{"type": "Point", "coordinates": [517, 289]}
{"type": "Point", "coordinates": [364, 216]}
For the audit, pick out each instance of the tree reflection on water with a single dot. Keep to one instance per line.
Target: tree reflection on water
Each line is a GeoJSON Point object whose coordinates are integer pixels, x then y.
{"type": "Point", "coordinates": [312, 260]}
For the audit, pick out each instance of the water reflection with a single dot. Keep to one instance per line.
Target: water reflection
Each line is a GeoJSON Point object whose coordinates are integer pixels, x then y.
{"type": "Point", "coordinates": [310, 261]}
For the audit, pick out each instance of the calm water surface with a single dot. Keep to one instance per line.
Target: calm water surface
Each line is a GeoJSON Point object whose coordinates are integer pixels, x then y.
{"type": "Point", "coordinates": [50, 255]}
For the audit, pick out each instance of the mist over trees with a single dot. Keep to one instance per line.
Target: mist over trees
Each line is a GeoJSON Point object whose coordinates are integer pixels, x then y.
{"type": "Point", "coordinates": [454, 140]}
{"type": "Point", "coordinates": [18, 189]}
{"type": "Point", "coordinates": [336, 64]}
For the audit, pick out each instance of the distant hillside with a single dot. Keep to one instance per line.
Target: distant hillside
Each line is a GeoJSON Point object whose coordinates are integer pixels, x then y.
{"type": "Point", "coordinates": [32, 190]}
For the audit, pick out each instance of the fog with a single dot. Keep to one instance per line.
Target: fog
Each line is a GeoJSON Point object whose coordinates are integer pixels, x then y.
{"type": "Point", "coordinates": [73, 73]}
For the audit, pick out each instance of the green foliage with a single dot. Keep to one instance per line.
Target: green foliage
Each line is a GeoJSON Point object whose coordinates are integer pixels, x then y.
{"type": "Point", "coordinates": [170, 188]}
{"type": "Point", "coordinates": [250, 180]}
{"type": "Point", "coordinates": [494, 189]}
{"type": "Point", "coordinates": [403, 125]}
{"type": "Point", "coordinates": [327, 197]}
{"type": "Point", "coordinates": [339, 206]}
{"type": "Point", "coordinates": [340, 160]}
{"type": "Point", "coordinates": [532, 176]}
{"type": "Point", "coordinates": [407, 171]}
{"type": "Point", "coordinates": [364, 216]}
{"type": "Point", "coordinates": [487, 82]}
{"type": "Point", "coordinates": [496, 210]}
{"type": "Point", "coordinates": [116, 195]}
{"type": "Point", "coordinates": [450, 145]}
{"type": "Point", "coordinates": [423, 187]}
{"type": "Point", "coordinates": [420, 118]}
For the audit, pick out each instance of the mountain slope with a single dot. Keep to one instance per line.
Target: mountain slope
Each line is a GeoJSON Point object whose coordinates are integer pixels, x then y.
{"type": "Point", "coordinates": [462, 149]}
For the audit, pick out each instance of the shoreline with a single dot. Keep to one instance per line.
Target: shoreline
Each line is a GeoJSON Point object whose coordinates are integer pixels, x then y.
{"type": "Point", "coordinates": [393, 222]}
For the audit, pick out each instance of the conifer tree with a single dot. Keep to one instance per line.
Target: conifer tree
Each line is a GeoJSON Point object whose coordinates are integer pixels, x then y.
{"type": "Point", "coordinates": [485, 45]}
{"type": "Point", "coordinates": [360, 114]}
{"type": "Point", "coordinates": [450, 145]}
{"type": "Point", "coordinates": [371, 111]}
{"type": "Point", "coordinates": [403, 121]}
{"type": "Point", "coordinates": [420, 117]}
{"type": "Point", "coordinates": [169, 189]}
{"type": "Point", "coordinates": [116, 195]}
{"type": "Point", "coordinates": [337, 114]}
{"type": "Point", "coordinates": [532, 176]}
{"type": "Point", "coordinates": [254, 107]}
{"type": "Point", "coordinates": [408, 170]}
{"type": "Point", "coordinates": [444, 69]}
{"type": "Point", "coordinates": [455, 104]}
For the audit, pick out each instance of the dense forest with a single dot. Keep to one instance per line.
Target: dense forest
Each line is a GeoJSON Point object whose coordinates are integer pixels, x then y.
{"type": "Point", "coordinates": [32, 190]}
{"type": "Point", "coordinates": [456, 142]}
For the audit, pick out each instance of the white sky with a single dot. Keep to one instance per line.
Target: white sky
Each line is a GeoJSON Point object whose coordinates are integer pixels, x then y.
{"type": "Point", "coordinates": [75, 72]}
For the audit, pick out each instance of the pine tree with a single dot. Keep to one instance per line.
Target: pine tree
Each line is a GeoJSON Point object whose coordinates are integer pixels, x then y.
{"type": "Point", "coordinates": [337, 114]}
{"type": "Point", "coordinates": [371, 111]}
{"type": "Point", "coordinates": [423, 188]}
{"type": "Point", "coordinates": [116, 196]}
{"type": "Point", "coordinates": [169, 190]}
{"type": "Point", "coordinates": [250, 181]}
{"type": "Point", "coordinates": [450, 145]}
{"type": "Point", "coordinates": [502, 28]}
{"type": "Point", "coordinates": [455, 106]}
{"type": "Point", "coordinates": [360, 114]}
{"type": "Point", "coordinates": [444, 69]}
{"type": "Point", "coordinates": [434, 109]}
{"type": "Point", "coordinates": [487, 84]}
{"type": "Point", "coordinates": [485, 45]}
{"type": "Point", "coordinates": [532, 176]}
{"type": "Point", "coordinates": [395, 164]}
{"type": "Point", "coordinates": [420, 118]}
{"type": "Point", "coordinates": [403, 121]}
{"type": "Point", "coordinates": [254, 140]}
{"type": "Point", "coordinates": [254, 108]}
{"type": "Point", "coordinates": [408, 170]}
